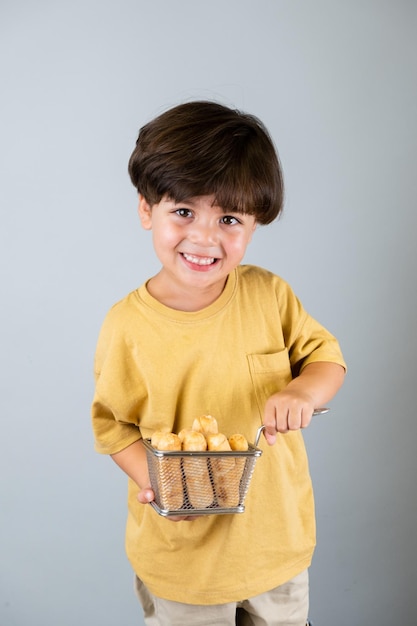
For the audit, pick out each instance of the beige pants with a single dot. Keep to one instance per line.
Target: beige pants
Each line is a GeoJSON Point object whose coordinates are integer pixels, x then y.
{"type": "Point", "coordinates": [286, 605]}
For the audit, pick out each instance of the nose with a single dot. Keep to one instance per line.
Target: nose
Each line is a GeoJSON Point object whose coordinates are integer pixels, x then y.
{"type": "Point", "coordinates": [203, 233]}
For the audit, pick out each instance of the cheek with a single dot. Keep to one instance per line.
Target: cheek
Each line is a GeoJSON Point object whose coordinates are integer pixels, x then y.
{"type": "Point", "coordinates": [165, 237]}
{"type": "Point", "coordinates": [237, 246]}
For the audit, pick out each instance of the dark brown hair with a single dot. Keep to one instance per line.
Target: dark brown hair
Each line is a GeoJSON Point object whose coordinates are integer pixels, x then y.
{"type": "Point", "coordinates": [204, 148]}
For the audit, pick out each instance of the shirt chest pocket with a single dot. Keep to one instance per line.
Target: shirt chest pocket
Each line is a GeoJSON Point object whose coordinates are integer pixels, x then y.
{"type": "Point", "coordinates": [270, 373]}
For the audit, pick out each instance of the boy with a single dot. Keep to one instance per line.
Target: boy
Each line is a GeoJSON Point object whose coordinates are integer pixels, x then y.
{"type": "Point", "coordinates": [207, 335]}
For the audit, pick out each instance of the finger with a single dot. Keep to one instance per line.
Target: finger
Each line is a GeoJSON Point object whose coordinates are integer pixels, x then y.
{"type": "Point", "coordinates": [294, 420]}
{"type": "Point", "coordinates": [282, 421]}
{"type": "Point", "coordinates": [182, 518]}
{"type": "Point", "coordinates": [145, 496]}
{"type": "Point", "coordinates": [306, 418]}
{"type": "Point", "coordinates": [270, 422]}
{"type": "Point", "coordinates": [299, 418]}
{"type": "Point", "coordinates": [270, 439]}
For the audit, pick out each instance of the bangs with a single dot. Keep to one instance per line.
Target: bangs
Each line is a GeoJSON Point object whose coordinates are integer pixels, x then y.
{"type": "Point", "coordinates": [235, 194]}
{"type": "Point", "coordinates": [203, 149]}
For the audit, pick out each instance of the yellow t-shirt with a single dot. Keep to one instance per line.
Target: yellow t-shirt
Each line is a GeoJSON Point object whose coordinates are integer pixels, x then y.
{"type": "Point", "coordinates": [158, 368]}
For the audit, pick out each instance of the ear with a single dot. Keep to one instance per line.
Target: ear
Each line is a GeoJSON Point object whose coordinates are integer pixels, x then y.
{"type": "Point", "coordinates": [145, 213]}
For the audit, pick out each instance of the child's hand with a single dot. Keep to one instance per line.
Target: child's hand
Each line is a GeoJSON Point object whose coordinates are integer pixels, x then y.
{"type": "Point", "coordinates": [146, 495]}
{"type": "Point", "coordinates": [285, 411]}
{"type": "Point", "coordinates": [292, 408]}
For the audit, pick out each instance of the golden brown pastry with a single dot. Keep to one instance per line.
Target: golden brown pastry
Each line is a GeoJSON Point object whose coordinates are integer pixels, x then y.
{"type": "Point", "coordinates": [226, 475]}
{"type": "Point", "coordinates": [170, 477]}
{"type": "Point", "coordinates": [156, 436]}
{"type": "Point", "coordinates": [206, 424]}
{"type": "Point", "coordinates": [218, 442]}
{"type": "Point", "coordinates": [239, 443]}
{"type": "Point", "coordinates": [193, 441]}
{"type": "Point", "coordinates": [167, 442]}
{"type": "Point", "coordinates": [196, 471]}
{"type": "Point", "coordinates": [201, 474]}
{"type": "Point", "coordinates": [183, 433]}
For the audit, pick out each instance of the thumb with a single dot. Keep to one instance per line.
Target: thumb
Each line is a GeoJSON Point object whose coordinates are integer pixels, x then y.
{"type": "Point", "coordinates": [270, 438]}
{"type": "Point", "coordinates": [146, 495]}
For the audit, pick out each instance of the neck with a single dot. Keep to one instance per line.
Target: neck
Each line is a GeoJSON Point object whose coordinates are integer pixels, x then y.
{"type": "Point", "coordinates": [183, 300]}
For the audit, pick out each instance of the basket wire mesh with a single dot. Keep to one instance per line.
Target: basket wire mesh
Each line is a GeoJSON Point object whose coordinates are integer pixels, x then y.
{"type": "Point", "coordinates": [200, 483]}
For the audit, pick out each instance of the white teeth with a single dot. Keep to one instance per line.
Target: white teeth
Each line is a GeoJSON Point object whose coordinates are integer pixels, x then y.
{"type": "Point", "coordinates": [198, 260]}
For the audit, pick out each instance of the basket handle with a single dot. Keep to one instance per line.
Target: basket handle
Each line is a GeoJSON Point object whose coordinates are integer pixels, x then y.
{"type": "Point", "coordinates": [262, 428]}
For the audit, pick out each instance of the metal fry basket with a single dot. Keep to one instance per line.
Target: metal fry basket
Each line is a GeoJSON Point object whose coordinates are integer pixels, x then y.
{"type": "Point", "coordinates": [200, 483]}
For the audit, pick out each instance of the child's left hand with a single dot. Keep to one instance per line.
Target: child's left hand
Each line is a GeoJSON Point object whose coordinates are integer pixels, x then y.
{"type": "Point", "coordinates": [285, 411]}
{"type": "Point", "coordinates": [293, 407]}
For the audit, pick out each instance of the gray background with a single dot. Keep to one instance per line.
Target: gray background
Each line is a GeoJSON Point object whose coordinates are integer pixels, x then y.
{"type": "Point", "coordinates": [335, 82]}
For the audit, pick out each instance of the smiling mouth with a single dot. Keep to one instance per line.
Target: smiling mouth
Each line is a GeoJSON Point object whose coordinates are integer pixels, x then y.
{"type": "Point", "coordinates": [198, 260]}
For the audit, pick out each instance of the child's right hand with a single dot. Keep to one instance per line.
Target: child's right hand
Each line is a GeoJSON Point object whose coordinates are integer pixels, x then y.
{"type": "Point", "coordinates": [147, 495]}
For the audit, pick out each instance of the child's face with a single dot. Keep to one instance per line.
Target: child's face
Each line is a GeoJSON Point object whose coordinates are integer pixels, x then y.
{"type": "Point", "coordinates": [197, 243]}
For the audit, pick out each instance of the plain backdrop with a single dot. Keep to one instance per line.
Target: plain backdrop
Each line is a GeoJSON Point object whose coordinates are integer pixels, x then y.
{"type": "Point", "coordinates": [336, 84]}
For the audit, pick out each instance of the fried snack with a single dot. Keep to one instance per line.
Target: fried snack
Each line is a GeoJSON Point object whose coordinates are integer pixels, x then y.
{"type": "Point", "coordinates": [239, 443]}
{"type": "Point", "coordinates": [196, 471]}
{"type": "Point", "coordinates": [218, 442]}
{"type": "Point", "coordinates": [198, 481]}
{"type": "Point", "coordinates": [156, 436]}
{"type": "Point", "coordinates": [205, 424]}
{"type": "Point", "coordinates": [170, 477]}
{"type": "Point", "coordinates": [184, 433]}
{"type": "Point", "coordinates": [193, 441]}
{"type": "Point", "coordinates": [226, 474]}
{"type": "Point", "coordinates": [167, 442]}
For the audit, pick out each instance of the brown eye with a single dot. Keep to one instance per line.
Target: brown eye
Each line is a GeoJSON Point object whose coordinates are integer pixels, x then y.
{"type": "Point", "coordinates": [184, 212]}
{"type": "Point", "coordinates": [229, 220]}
